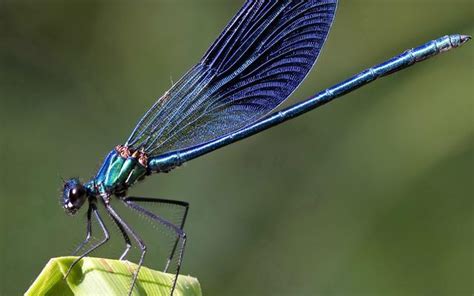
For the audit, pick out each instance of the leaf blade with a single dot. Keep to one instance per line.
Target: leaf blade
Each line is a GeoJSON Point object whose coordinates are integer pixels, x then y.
{"type": "Point", "coordinates": [102, 276]}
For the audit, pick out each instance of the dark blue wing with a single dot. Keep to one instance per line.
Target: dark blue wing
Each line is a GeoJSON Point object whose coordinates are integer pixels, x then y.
{"type": "Point", "coordinates": [256, 63]}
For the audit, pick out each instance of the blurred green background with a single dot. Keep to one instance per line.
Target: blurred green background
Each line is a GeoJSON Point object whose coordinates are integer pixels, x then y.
{"type": "Point", "coordinates": [370, 195]}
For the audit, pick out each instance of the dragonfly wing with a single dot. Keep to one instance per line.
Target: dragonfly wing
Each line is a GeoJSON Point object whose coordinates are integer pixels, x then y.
{"type": "Point", "coordinates": [259, 59]}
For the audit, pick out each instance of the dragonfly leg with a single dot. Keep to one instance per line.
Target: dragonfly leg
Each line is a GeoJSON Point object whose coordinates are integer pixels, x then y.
{"type": "Point", "coordinates": [135, 236]}
{"type": "Point", "coordinates": [183, 204]}
{"type": "Point", "coordinates": [181, 235]}
{"type": "Point", "coordinates": [88, 232]}
{"type": "Point", "coordinates": [128, 243]}
{"type": "Point", "coordinates": [93, 208]}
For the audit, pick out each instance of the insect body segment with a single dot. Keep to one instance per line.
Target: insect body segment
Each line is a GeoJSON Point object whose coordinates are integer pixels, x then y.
{"type": "Point", "coordinates": [121, 169]}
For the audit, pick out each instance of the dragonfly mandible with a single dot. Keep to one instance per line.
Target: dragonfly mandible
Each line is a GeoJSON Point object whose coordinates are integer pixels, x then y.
{"type": "Point", "coordinates": [259, 59]}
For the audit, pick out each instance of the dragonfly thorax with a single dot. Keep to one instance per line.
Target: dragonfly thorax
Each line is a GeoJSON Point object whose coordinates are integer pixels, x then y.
{"type": "Point", "coordinates": [122, 167]}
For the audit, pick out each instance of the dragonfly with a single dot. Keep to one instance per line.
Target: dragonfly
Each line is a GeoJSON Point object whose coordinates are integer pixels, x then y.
{"type": "Point", "coordinates": [258, 60]}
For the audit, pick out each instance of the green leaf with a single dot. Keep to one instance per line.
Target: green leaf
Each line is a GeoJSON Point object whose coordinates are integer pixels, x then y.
{"type": "Point", "coordinates": [99, 276]}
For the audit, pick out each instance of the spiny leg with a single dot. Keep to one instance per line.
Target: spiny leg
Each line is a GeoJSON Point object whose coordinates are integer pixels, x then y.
{"type": "Point", "coordinates": [128, 243]}
{"type": "Point", "coordinates": [93, 208]}
{"type": "Point", "coordinates": [139, 241]}
{"type": "Point", "coordinates": [88, 232]}
{"type": "Point", "coordinates": [179, 232]}
{"type": "Point", "coordinates": [183, 204]}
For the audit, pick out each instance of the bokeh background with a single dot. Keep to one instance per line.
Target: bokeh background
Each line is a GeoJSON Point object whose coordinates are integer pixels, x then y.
{"type": "Point", "coordinates": [370, 195]}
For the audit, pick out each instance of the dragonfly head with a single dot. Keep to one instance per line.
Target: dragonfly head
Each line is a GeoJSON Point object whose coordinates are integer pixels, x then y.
{"type": "Point", "coordinates": [74, 195]}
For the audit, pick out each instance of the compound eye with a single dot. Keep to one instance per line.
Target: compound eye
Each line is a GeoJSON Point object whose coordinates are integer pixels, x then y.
{"type": "Point", "coordinates": [76, 193]}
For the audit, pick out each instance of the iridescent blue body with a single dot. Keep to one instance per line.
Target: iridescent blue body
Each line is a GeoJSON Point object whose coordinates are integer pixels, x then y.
{"type": "Point", "coordinates": [168, 161]}
{"type": "Point", "coordinates": [114, 173]}
{"type": "Point", "coordinates": [259, 59]}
